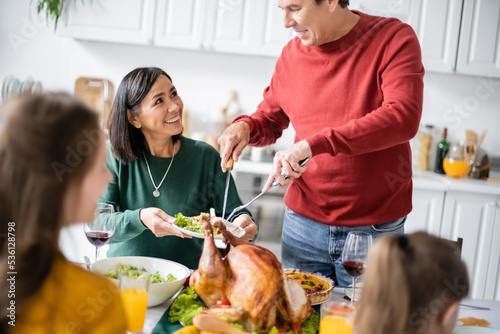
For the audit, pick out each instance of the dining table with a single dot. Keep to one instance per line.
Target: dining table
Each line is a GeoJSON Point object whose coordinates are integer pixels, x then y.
{"type": "Point", "coordinates": [157, 317]}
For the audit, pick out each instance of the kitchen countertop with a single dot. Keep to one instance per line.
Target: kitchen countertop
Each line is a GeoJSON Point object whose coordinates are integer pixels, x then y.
{"type": "Point", "coordinates": [431, 180]}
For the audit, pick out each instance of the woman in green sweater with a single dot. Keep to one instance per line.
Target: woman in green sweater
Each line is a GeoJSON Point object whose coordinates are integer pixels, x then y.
{"type": "Point", "coordinates": [158, 172]}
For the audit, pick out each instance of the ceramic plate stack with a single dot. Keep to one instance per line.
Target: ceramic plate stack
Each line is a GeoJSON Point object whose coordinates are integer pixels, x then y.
{"type": "Point", "coordinates": [12, 86]}
{"type": "Point", "coordinates": [6, 86]}
{"type": "Point", "coordinates": [27, 85]}
{"type": "Point", "coordinates": [37, 87]}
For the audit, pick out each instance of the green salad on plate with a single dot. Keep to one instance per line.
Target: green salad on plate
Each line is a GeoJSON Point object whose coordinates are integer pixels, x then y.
{"type": "Point", "coordinates": [192, 224]}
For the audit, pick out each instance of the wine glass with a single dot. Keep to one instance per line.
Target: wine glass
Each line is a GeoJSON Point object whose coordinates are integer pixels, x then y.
{"type": "Point", "coordinates": [356, 248]}
{"type": "Point", "coordinates": [101, 230]}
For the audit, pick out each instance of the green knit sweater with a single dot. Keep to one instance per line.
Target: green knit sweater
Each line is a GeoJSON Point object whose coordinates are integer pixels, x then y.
{"type": "Point", "coordinates": [194, 184]}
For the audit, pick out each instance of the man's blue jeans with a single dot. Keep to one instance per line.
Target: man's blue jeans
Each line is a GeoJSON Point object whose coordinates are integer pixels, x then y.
{"type": "Point", "coordinates": [314, 247]}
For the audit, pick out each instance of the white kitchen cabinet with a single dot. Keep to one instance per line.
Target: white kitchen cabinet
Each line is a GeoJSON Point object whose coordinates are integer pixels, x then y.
{"type": "Point", "coordinates": [493, 276]}
{"type": "Point", "coordinates": [472, 216]}
{"type": "Point", "coordinates": [273, 36]}
{"type": "Point", "coordinates": [479, 52]}
{"type": "Point", "coordinates": [246, 26]}
{"type": "Point", "coordinates": [470, 209]}
{"type": "Point", "coordinates": [436, 23]}
{"type": "Point", "coordinates": [233, 26]}
{"type": "Point", "coordinates": [122, 21]}
{"type": "Point", "coordinates": [427, 211]}
{"type": "Point", "coordinates": [460, 36]}
{"type": "Point", "coordinates": [405, 10]}
{"type": "Point", "coordinates": [429, 192]}
{"type": "Point", "coordinates": [494, 269]}
{"type": "Point", "coordinates": [438, 30]}
{"type": "Point", "coordinates": [456, 36]}
{"type": "Point", "coordinates": [180, 23]}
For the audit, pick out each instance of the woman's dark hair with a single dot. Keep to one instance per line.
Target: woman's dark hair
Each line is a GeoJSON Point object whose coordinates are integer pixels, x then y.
{"type": "Point", "coordinates": [48, 142]}
{"type": "Point", "coordinates": [127, 141]}
{"type": "Point", "coordinates": [342, 3]}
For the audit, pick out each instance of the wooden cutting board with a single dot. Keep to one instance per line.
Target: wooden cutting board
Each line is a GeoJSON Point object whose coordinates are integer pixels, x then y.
{"type": "Point", "coordinates": [97, 93]}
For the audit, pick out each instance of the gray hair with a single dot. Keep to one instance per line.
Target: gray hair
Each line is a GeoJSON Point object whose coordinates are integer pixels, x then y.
{"type": "Point", "coordinates": [342, 3]}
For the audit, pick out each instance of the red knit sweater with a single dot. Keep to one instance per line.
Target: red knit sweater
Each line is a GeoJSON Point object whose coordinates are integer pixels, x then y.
{"type": "Point", "coordinates": [357, 101]}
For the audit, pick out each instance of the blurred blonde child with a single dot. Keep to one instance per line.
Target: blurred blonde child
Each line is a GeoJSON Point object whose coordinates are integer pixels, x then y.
{"type": "Point", "coordinates": [412, 284]}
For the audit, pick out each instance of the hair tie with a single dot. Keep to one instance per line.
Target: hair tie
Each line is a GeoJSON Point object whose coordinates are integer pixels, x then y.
{"type": "Point", "coordinates": [403, 242]}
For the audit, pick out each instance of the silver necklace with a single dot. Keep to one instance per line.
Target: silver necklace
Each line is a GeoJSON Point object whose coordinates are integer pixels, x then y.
{"type": "Point", "coordinates": [156, 193]}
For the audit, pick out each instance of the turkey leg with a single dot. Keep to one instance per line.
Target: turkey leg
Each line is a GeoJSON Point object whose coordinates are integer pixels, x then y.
{"type": "Point", "coordinates": [210, 278]}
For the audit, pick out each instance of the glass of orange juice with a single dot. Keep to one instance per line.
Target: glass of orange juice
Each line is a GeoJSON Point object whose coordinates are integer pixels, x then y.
{"type": "Point", "coordinates": [134, 286]}
{"type": "Point", "coordinates": [336, 318]}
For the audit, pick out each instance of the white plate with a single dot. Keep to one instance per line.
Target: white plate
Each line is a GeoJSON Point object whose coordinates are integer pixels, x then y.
{"type": "Point", "coordinates": [27, 85]}
{"type": "Point", "coordinates": [474, 330]}
{"type": "Point", "coordinates": [233, 228]}
{"type": "Point", "coordinates": [5, 86]}
{"type": "Point", "coordinates": [37, 87]}
{"type": "Point", "coordinates": [14, 88]}
{"type": "Point", "coordinates": [348, 291]}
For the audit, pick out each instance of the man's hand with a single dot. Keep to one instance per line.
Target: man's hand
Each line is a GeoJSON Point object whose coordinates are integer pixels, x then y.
{"type": "Point", "coordinates": [245, 222]}
{"type": "Point", "coordinates": [160, 223]}
{"type": "Point", "coordinates": [232, 141]}
{"type": "Point", "coordinates": [288, 162]}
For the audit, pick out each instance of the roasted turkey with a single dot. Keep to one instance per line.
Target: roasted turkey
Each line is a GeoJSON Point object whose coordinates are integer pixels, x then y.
{"type": "Point", "coordinates": [252, 279]}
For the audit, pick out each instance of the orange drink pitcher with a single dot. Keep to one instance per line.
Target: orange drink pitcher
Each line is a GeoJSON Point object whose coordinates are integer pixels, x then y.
{"type": "Point", "coordinates": [336, 318]}
{"type": "Point", "coordinates": [459, 158]}
{"type": "Point", "coordinates": [134, 286]}
{"type": "Point", "coordinates": [455, 168]}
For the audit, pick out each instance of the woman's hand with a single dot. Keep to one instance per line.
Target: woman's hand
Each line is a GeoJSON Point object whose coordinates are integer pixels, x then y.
{"type": "Point", "coordinates": [245, 222]}
{"type": "Point", "coordinates": [160, 223]}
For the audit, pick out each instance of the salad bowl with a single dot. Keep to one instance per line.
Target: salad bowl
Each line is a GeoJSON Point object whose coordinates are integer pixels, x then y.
{"type": "Point", "coordinates": [158, 292]}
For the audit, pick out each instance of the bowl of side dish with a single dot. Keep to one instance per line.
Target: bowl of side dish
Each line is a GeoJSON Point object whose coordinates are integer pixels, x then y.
{"type": "Point", "coordinates": [167, 277]}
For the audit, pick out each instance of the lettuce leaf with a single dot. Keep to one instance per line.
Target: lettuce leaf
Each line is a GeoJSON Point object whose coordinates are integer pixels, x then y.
{"type": "Point", "coordinates": [186, 306]}
{"type": "Point", "coordinates": [310, 325]}
{"type": "Point", "coordinates": [189, 223]}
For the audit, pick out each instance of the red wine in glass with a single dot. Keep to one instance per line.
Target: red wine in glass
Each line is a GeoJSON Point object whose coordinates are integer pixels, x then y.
{"type": "Point", "coordinates": [356, 248]}
{"type": "Point", "coordinates": [98, 238]}
{"type": "Point", "coordinates": [354, 268]}
{"type": "Point", "coordinates": [101, 230]}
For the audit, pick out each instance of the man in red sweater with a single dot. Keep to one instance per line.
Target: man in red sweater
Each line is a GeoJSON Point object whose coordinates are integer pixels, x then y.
{"type": "Point", "coordinates": [351, 84]}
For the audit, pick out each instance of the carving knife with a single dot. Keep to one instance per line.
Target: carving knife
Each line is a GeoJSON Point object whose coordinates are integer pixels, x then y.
{"type": "Point", "coordinates": [229, 167]}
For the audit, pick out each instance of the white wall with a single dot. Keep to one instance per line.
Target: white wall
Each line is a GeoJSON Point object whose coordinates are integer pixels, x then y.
{"type": "Point", "coordinates": [204, 79]}
{"type": "Point", "coordinates": [462, 102]}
